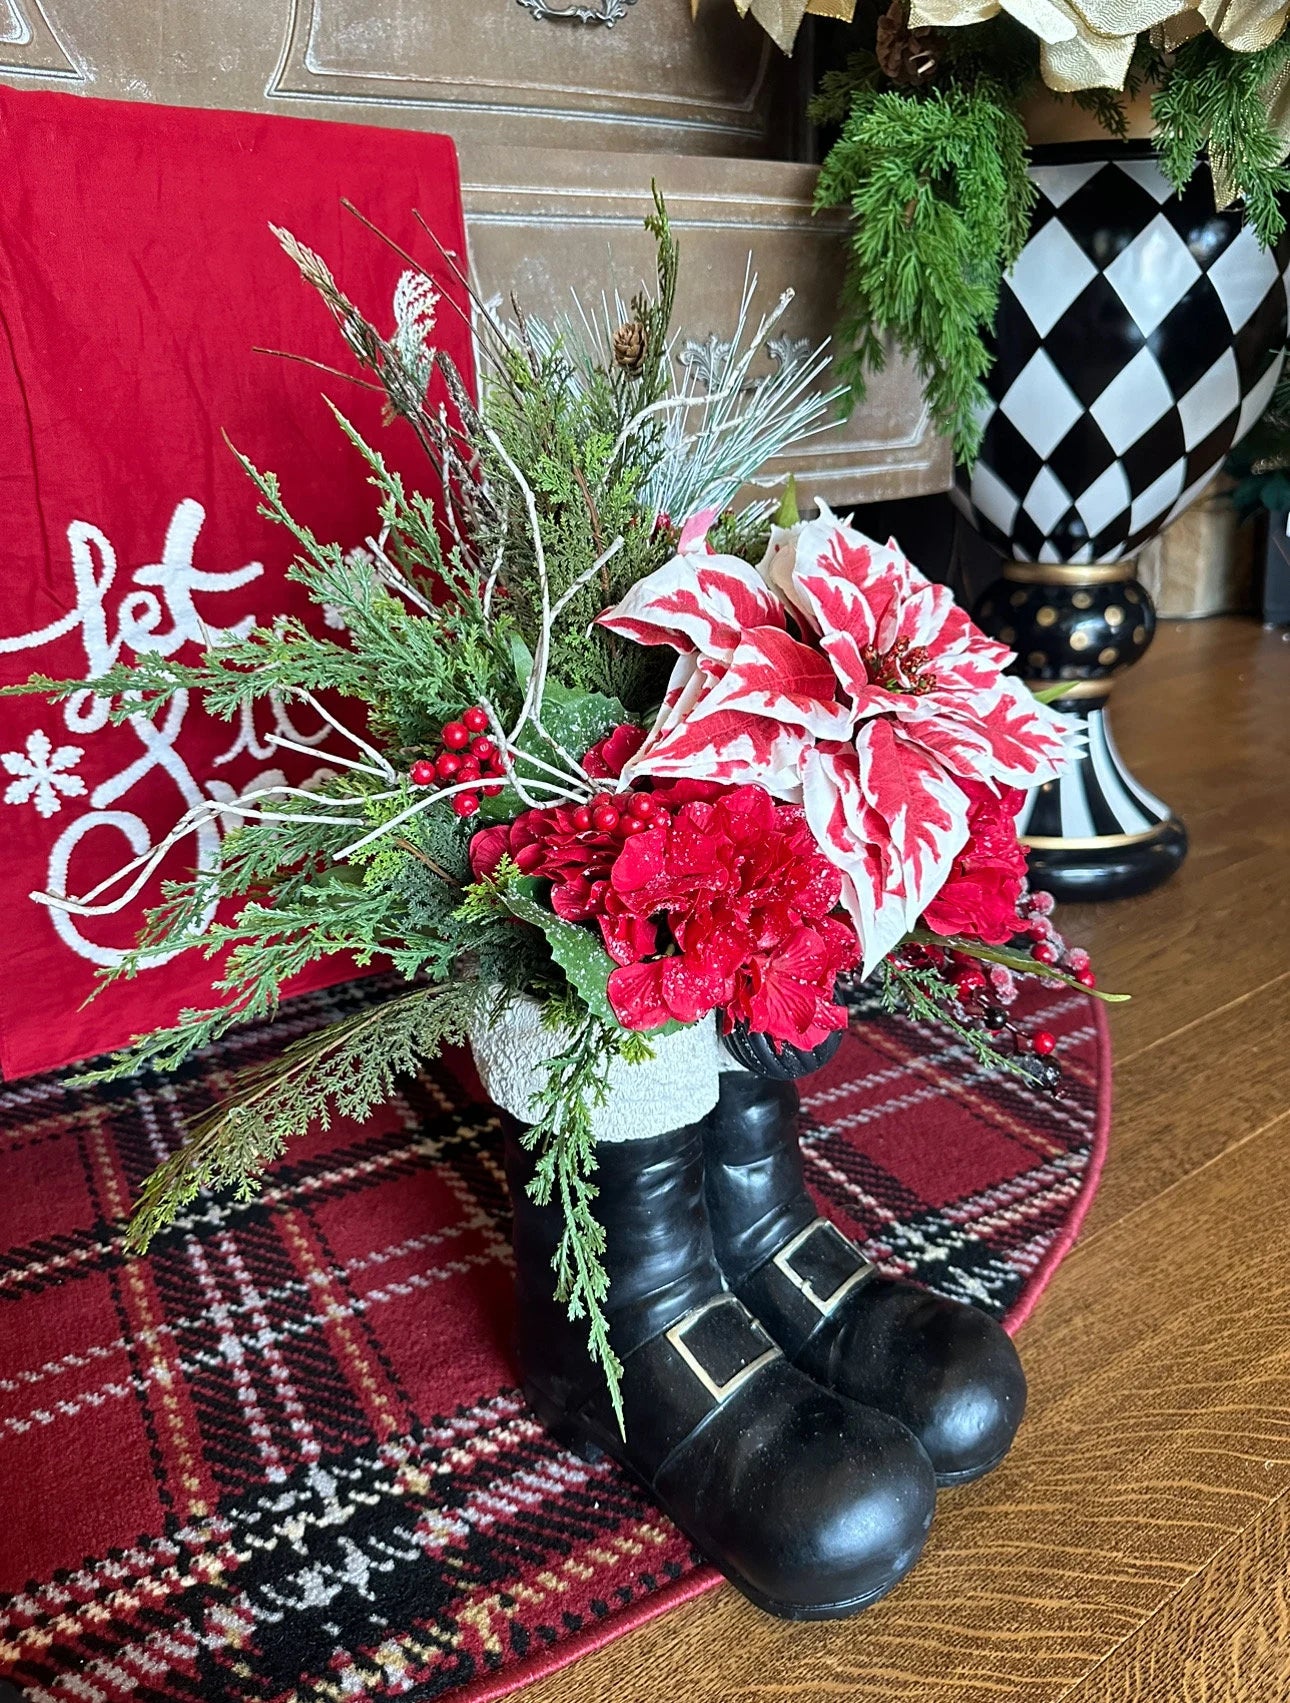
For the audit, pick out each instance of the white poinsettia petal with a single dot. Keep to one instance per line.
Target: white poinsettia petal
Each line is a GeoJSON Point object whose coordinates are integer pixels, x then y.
{"type": "Point", "coordinates": [855, 839]}
{"type": "Point", "coordinates": [696, 602]}
{"type": "Point", "coordinates": [686, 686]}
{"type": "Point", "coordinates": [924, 810]}
{"type": "Point", "coordinates": [774, 675]}
{"type": "Point", "coordinates": [1025, 742]}
{"type": "Point", "coordinates": [730, 746]}
{"type": "Point", "coordinates": [694, 533]}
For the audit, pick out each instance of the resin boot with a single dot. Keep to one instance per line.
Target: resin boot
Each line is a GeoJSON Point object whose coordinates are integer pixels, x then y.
{"type": "Point", "coordinates": [812, 1505]}
{"type": "Point", "coordinates": [947, 1371]}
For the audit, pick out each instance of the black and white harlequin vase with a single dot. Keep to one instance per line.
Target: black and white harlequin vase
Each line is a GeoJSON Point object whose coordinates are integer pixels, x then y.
{"type": "Point", "coordinates": [1139, 336]}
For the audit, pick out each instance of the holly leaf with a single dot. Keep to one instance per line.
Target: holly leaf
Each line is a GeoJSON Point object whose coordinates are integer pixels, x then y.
{"type": "Point", "coordinates": [575, 949]}
{"type": "Point", "coordinates": [576, 719]}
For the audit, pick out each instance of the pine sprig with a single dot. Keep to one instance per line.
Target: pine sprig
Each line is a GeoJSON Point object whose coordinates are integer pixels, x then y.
{"type": "Point", "coordinates": [1216, 102]}
{"type": "Point", "coordinates": [941, 202]}
{"type": "Point", "coordinates": [924, 996]}
{"type": "Point", "coordinates": [345, 1069]}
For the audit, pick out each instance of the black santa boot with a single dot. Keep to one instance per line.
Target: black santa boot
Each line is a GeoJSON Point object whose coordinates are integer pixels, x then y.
{"type": "Point", "coordinates": [810, 1504]}
{"type": "Point", "coordinates": [947, 1371]}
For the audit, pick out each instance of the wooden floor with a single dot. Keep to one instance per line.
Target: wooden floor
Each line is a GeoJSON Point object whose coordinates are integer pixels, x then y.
{"type": "Point", "coordinates": [1136, 1544]}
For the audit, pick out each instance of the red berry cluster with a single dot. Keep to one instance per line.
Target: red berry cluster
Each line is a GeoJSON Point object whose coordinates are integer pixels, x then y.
{"type": "Point", "coordinates": [983, 991]}
{"type": "Point", "coordinates": [623, 813]}
{"type": "Point", "coordinates": [467, 754]}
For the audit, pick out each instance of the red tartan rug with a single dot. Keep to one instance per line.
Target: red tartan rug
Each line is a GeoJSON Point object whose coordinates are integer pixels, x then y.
{"type": "Point", "coordinates": [283, 1457]}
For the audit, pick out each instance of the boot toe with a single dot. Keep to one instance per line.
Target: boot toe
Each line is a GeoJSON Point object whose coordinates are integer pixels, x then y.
{"type": "Point", "coordinates": [947, 1371]}
{"type": "Point", "coordinates": [815, 1505]}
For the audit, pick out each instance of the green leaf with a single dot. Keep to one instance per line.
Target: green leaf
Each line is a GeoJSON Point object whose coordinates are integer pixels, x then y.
{"type": "Point", "coordinates": [1050, 694]}
{"type": "Point", "coordinates": [788, 513]}
{"type": "Point", "coordinates": [576, 719]}
{"type": "Point", "coordinates": [575, 949]}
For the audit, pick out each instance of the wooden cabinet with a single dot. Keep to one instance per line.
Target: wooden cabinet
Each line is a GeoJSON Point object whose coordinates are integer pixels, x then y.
{"type": "Point", "coordinates": [560, 125]}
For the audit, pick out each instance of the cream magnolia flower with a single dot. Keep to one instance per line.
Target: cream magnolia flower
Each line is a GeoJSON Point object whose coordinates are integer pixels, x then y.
{"type": "Point", "coordinates": [1087, 44]}
{"type": "Point", "coordinates": [781, 19]}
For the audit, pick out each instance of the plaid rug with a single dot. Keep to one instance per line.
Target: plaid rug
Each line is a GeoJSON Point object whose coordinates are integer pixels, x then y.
{"type": "Point", "coordinates": [283, 1457]}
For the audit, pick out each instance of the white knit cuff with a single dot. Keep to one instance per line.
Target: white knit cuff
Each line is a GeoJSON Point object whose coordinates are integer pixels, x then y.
{"type": "Point", "coordinates": [678, 1086]}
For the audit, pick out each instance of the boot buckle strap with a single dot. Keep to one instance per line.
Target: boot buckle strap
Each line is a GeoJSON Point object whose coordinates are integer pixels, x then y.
{"type": "Point", "coordinates": [746, 1337]}
{"type": "Point", "coordinates": [820, 1250]}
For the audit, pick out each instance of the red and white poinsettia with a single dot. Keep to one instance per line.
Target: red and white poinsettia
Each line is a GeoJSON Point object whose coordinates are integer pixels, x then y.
{"type": "Point", "coordinates": [836, 675]}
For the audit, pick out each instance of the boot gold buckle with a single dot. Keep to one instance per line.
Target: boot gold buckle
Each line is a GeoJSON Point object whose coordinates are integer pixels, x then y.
{"type": "Point", "coordinates": [719, 1391]}
{"type": "Point", "coordinates": [823, 1304]}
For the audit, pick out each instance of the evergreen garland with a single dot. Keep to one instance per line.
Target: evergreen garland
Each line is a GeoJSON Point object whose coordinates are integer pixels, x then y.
{"type": "Point", "coordinates": [1214, 103]}
{"type": "Point", "coordinates": [938, 189]}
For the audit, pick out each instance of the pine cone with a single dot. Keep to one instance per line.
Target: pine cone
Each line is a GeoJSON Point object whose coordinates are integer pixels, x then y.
{"type": "Point", "coordinates": [629, 347]}
{"type": "Point", "coordinates": [906, 57]}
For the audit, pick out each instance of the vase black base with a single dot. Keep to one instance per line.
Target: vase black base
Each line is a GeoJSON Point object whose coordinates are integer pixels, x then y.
{"type": "Point", "coordinates": [1096, 832]}
{"type": "Point", "coordinates": [1109, 871]}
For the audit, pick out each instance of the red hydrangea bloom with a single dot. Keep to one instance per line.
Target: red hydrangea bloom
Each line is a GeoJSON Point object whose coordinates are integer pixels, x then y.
{"type": "Point", "coordinates": [748, 900]}
{"type": "Point", "coordinates": [980, 896]}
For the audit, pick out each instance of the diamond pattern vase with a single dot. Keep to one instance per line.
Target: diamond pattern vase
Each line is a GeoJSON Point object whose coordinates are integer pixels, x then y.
{"type": "Point", "coordinates": [1139, 336]}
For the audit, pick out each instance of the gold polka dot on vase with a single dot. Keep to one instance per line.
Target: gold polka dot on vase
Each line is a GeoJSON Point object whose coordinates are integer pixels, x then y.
{"type": "Point", "coordinates": [1007, 636]}
{"type": "Point", "coordinates": [1047, 616]}
{"type": "Point", "coordinates": [1114, 615]}
{"type": "Point", "coordinates": [1139, 635]}
{"type": "Point", "coordinates": [1037, 659]}
{"type": "Point", "coordinates": [1132, 594]}
{"type": "Point", "coordinates": [1018, 598]}
{"type": "Point", "coordinates": [1108, 656]}
{"type": "Point", "coordinates": [1082, 600]}
{"type": "Point", "coordinates": [1079, 640]}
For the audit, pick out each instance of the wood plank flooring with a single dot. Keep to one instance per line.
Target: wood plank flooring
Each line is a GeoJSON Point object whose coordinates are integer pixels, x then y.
{"type": "Point", "coordinates": [1135, 1548]}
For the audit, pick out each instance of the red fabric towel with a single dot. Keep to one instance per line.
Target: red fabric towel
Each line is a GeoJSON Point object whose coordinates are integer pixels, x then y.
{"type": "Point", "coordinates": [137, 277]}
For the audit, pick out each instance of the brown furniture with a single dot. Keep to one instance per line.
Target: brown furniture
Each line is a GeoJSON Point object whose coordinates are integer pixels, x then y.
{"type": "Point", "coordinates": [560, 126]}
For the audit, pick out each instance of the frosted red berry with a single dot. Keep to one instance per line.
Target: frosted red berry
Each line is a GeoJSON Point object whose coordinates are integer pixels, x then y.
{"type": "Point", "coordinates": [1043, 1042]}
{"type": "Point", "coordinates": [469, 770]}
{"type": "Point", "coordinates": [635, 825]}
{"type": "Point", "coordinates": [446, 765]}
{"type": "Point", "coordinates": [484, 749]}
{"type": "Point", "coordinates": [1044, 952]}
{"type": "Point", "coordinates": [492, 791]}
{"type": "Point", "coordinates": [465, 804]}
{"type": "Point", "coordinates": [475, 720]}
{"type": "Point", "coordinates": [1086, 978]}
{"type": "Point", "coordinates": [455, 735]}
{"type": "Point", "coordinates": [582, 818]}
{"type": "Point", "coordinates": [423, 773]}
{"type": "Point", "coordinates": [642, 805]}
{"type": "Point", "coordinates": [604, 818]}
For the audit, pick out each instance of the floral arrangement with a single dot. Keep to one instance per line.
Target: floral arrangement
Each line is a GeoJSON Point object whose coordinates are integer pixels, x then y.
{"type": "Point", "coordinates": [929, 149]}
{"type": "Point", "coordinates": [604, 740]}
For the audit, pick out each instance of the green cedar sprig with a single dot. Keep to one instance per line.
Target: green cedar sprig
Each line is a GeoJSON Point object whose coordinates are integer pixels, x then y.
{"type": "Point", "coordinates": [940, 198]}
{"type": "Point", "coordinates": [345, 1069]}
{"type": "Point", "coordinates": [1214, 102]}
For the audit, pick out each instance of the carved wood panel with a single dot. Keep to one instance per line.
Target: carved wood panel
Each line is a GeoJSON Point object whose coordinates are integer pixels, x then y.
{"type": "Point", "coordinates": [482, 70]}
{"type": "Point", "coordinates": [550, 223]}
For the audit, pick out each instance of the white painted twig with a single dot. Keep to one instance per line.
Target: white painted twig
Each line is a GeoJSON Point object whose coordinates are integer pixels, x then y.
{"type": "Point", "coordinates": [323, 756]}
{"type": "Point", "coordinates": [382, 761]}
{"type": "Point", "coordinates": [192, 819]}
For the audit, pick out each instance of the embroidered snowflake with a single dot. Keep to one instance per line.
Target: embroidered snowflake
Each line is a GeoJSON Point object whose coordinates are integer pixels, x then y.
{"type": "Point", "coordinates": [43, 773]}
